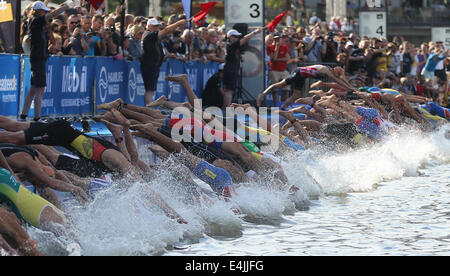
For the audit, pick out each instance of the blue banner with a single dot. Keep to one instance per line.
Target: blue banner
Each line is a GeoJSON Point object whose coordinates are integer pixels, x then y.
{"type": "Point", "coordinates": [135, 84]}
{"type": "Point", "coordinates": [72, 81]}
{"type": "Point", "coordinates": [111, 79]}
{"type": "Point", "coordinates": [9, 84]}
{"type": "Point", "coordinates": [176, 92]}
{"type": "Point", "coordinates": [194, 70]}
{"type": "Point", "coordinates": [54, 73]}
{"type": "Point", "coordinates": [162, 87]}
{"type": "Point", "coordinates": [76, 85]}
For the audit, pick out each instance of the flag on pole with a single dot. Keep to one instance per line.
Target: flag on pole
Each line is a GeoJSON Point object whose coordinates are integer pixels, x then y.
{"type": "Point", "coordinates": [187, 7]}
{"type": "Point", "coordinates": [206, 8]}
{"type": "Point", "coordinates": [272, 25]}
{"type": "Point", "coordinates": [96, 3]}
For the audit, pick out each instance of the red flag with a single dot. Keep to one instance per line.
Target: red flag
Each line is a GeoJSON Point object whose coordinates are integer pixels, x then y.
{"type": "Point", "coordinates": [206, 8]}
{"type": "Point", "coordinates": [272, 25]}
{"type": "Point", "coordinates": [96, 3]}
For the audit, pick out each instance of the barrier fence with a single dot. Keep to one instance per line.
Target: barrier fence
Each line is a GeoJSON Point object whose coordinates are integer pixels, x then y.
{"type": "Point", "coordinates": [75, 85]}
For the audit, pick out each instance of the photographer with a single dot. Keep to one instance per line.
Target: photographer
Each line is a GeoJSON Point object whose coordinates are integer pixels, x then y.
{"type": "Point", "coordinates": [78, 41]}
{"type": "Point", "coordinates": [329, 49]}
{"type": "Point", "coordinates": [313, 49]}
{"type": "Point", "coordinates": [110, 39]}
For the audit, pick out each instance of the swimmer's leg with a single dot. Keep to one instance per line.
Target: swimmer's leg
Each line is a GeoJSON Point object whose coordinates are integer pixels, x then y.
{"type": "Point", "coordinates": [11, 125]}
{"type": "Point", "coordinates": [116, 131]}
{"type": "Point", "coordinates": [147, 111]}
{"type": "Point", "coordinates": [183, 80]}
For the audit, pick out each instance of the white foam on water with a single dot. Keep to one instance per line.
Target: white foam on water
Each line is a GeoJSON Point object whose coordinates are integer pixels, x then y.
{"type": "Point", "coordinates": [111, 225]}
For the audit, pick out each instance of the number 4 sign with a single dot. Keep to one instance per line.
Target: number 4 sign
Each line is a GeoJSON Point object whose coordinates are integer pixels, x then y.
{"type": "Point", "coordinates": [372, 24]}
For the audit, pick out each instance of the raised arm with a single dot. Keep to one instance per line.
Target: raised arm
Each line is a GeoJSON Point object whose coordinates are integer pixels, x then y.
{"type": "Point", "coordinates": [249, 36]}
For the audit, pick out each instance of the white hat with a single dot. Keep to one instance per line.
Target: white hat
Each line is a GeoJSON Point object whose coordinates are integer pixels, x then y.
{"type": "Point", "coordinates": [38, 5]}
{"type": "Point", "coordinates": [349, 44]}
{"type": "Point", "coordinates": [233, 32]}
{"type": "Point", "coordinates": [153, 22]}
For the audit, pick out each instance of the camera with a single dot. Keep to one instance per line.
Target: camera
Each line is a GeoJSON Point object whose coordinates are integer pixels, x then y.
{"type": "Point", "coordinates": [78, 25]}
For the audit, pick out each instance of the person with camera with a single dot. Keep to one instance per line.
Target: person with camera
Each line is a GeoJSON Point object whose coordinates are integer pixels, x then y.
{"type": "Point", "coordinates": [329, 49]}
{"type": "Point", "coordinates": [279, 57]}
{"type": "Point", "coordinates": [39, 54]}
{"type": "Point", "coordinates": [313, 49]}
{"type": "Point", "coordinates": [78, 42]}
{"type": "Point", "coordinates": [110, 39]}
{"type": "Point", "coordinates": [93, 35]}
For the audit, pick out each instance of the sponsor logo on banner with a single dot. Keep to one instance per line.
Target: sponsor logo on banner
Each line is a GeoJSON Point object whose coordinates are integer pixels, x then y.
{"type": "Point", "coordinates": [103, 84]}
{"type": "Point", "coordinates": [8, 84]}
{"type": "Point", "coordinates": [132, 86]}
{"type": "Point", "coordinates": [72, 81]}
{"type": "Point", "coordinates": [135, 85]}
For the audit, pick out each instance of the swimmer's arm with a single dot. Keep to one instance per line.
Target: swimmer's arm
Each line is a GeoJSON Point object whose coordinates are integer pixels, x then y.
{"type": "Point", "coordinates": [5, 165]}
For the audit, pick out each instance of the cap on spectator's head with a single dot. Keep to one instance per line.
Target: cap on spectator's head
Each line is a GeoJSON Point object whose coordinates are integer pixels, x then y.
{"type": "Point", "coordinates": [153, 22]}
{"type": "Point", "coordinates": [233, 32]}
{"type": "Point", "coordinates": [221, 66]}
{"type": "Point", "coordinates": [349, 43]}
{"type": "Point", "coordinates": [38, 5]}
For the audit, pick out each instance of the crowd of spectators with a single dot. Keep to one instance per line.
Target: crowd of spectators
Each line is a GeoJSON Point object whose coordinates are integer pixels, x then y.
{"type": "Point", "coordinates": [84, 32]}
{"type": "Point", "coordinates": [396, 64]}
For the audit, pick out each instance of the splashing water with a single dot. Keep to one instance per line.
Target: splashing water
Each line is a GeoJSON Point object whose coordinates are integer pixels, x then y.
{"type": "Point", "coordinates": [112, 224]}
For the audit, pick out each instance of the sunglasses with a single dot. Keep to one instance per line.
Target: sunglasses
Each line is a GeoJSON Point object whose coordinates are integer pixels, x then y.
{"type": "Point", "coordinates": [75, 22]}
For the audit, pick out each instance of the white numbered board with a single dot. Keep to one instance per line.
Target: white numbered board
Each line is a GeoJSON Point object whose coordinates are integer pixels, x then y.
{"type": "Point", "coordinates": [441, 34]}
{"type": "Point", "coordinates": [372, 24]}
{"type": "Point", "coordinates": [244, 11]}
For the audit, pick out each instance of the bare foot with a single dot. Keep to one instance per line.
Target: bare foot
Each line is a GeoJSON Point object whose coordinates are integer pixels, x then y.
{"type": "Point", "coordinates": [308, 101]}
{"type": "Point", "coordinates": [159, 151]}
{"type": "Point", "coordinates": [158, 102]}
{"type": "Point", "coordinates": [112, 105]}
{"type": "Point", "coordinates": [316, 84]}
{"type": "Point", "coordinates": [119, 118]}
{"type": "Point", "coordinates": [116, 130]}
{"type": "Point", "coordinates": [177, 78]}
{"type": "Point", "coordinates": [287, 114]}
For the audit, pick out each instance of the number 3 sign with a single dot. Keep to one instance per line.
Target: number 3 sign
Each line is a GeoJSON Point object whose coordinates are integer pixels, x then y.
{"type": "Point", "coordinates": [244, 11]}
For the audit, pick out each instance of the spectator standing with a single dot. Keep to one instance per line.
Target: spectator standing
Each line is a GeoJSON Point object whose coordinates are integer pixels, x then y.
{"type": "Point", "coordinates": [422, 57]}
{"type": "Point", "coordinates": [314, 42]}
{"type": "Point", "coordinates": [279, 57]}
{"type": "Point", "coordinates": [153, 54]}
{"type": "Point", "coordinates": [407, 59]}
{"type": "Point", "coordinates": [233, 60]}
{"type": "Point", "coordinates": [135, 47]}
{"type": "Point", "coordinates": [38, 56]}
{"type": "Point", "coordinates": [214, 90]}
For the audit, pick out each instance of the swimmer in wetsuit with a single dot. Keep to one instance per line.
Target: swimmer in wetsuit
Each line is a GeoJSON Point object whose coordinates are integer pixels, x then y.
{"type": "Point", "coordinates": [298, 77]}
{"type": "Point", "coordinates": [27, 207]}
{"type": "Point", "coordinates": [25, 159]}
{"type": "Point", "coordinates": [61, 133]}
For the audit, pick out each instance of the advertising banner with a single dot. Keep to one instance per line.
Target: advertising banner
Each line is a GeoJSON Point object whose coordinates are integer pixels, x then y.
{"type": "Point", "coordinates": [9, 84]}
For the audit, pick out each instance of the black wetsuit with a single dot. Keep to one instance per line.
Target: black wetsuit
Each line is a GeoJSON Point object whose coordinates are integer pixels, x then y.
{"type": "Point", "coordinates": [198, 149]}
{"type": "Point", "coordinates": [10, 149]}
